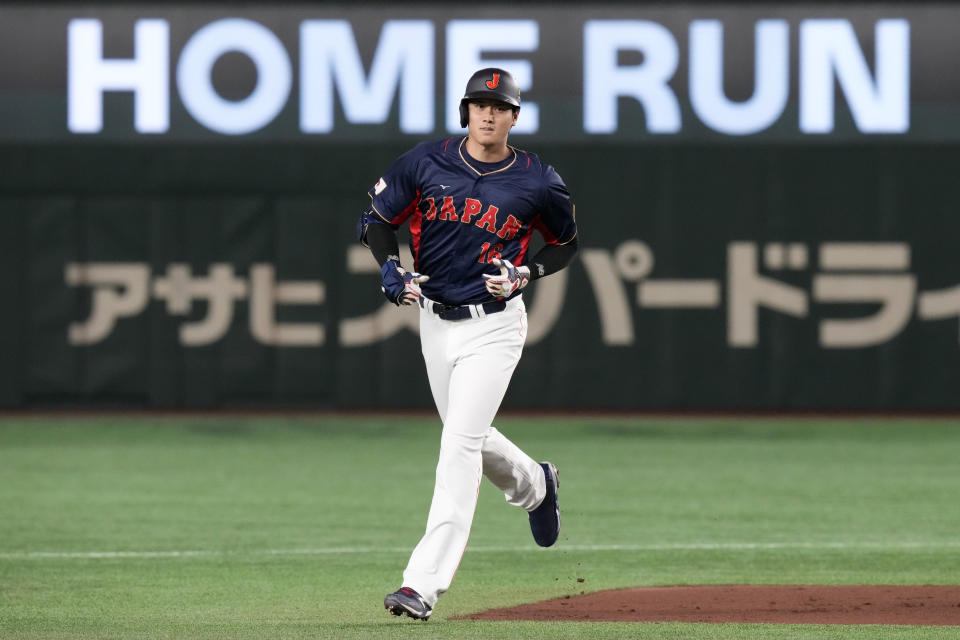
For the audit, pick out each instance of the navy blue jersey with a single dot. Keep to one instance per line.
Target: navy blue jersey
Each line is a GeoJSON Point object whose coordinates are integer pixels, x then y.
{"type": "Point", "coordinates": [464, 213]}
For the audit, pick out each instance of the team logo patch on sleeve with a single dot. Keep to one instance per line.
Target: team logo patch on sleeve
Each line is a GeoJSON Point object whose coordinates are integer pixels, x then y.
{"type": "Point", "coordinates": [380, 186]}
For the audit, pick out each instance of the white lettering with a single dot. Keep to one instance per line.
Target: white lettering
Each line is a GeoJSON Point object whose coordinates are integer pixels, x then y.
{"type": "Point", "coordinates": [274, 76]}
{"type": "Point", "coordinates": [604, 82]}
{"type": "Point", "coordinates": [828, 48]}
{"type": "Point", "coordinates": [146, 75]}
{"type": "Point", "coordinates": [403, 63]}
{"type": "Point", "coordinates": [771, 70]}
{"type": "Point", "coordinates": [403, 67]}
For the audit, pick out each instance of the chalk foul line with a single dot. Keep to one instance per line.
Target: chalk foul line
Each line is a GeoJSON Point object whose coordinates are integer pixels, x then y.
{"type": "Point", "coordinates": [320, 551]}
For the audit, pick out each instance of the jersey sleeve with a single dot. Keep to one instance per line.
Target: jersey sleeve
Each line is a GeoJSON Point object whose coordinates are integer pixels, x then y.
{"type": "Point", "coordinates": [557, 221]}
{"type": "Point", "coordinates": [395, 195]}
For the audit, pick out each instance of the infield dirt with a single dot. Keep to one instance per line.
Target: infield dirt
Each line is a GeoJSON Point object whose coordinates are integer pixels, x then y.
{"type": "Point", "coordinates": [854, 604]}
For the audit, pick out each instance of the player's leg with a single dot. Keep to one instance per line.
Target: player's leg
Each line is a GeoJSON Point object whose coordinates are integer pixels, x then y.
{"type": "Point", "coordinates": [434, 338]}
{"type": "Point", "coordinates": [485, 353]}
{"type": "Point", "coordinates": [511, 470]}
{"type": "Point", "coordinates": [524, 483]}
{"type": "Point", "coordinates": [519, 476]}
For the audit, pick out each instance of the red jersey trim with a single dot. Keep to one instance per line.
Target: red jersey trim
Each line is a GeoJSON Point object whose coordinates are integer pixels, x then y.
{"type": "Point", "coordinates": [410, 208]}
{"type": "Point", "coordinates": [416, 225]}
{"type": "Point", "coordinates": [524, 245]}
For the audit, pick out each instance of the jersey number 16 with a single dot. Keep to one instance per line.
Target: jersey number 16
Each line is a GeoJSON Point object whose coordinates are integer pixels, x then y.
{"type": "Point", "coordinates": [488, 253]}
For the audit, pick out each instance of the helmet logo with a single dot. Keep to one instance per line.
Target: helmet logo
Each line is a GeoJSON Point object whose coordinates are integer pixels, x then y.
{"type": "Point", "coordinates": [492, 84]}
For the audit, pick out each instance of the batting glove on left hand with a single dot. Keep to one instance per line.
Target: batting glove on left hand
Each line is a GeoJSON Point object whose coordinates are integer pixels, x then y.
{"type": "Point", "coordinates": [510, 279]}
{"type": "Point", "coordinates": [401, 287]}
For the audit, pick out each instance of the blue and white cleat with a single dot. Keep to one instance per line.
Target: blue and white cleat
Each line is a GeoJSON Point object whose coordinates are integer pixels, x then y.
{"type": "Point", "coordinates": [545, 519]}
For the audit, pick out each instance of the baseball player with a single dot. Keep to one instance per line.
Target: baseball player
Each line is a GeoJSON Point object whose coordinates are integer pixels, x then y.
{"type": "Point", "coordinates": [472, 204]}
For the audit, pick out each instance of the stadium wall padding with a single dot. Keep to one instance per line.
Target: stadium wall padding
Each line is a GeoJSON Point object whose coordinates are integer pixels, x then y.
{"type": "Point", "coordinates": [711, 277]}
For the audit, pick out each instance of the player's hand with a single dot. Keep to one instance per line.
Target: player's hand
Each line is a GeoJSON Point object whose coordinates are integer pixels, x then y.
{"type": "Point", "coordinates": [401, 287]}
{"type": "Point", "coordinates": [510, 278]}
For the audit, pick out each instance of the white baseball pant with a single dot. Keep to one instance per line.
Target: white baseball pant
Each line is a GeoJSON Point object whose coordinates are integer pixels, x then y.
{"type": "Point", "coordinates": [469, 365]}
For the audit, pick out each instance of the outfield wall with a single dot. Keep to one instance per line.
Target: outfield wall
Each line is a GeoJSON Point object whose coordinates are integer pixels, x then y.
{"type": "Point", "coordinates": [778, 236]}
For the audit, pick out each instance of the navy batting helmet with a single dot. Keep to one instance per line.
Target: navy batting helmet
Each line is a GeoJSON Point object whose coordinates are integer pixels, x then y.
{"type": "Point", "coordinates": [489, 84]}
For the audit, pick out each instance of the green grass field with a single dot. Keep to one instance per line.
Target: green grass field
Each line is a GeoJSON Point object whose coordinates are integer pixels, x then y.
{"type": "Point", "coordinates": [296, 527]}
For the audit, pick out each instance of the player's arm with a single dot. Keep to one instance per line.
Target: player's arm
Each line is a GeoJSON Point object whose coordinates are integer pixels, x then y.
{"type": "Point", "coordinates": [401, 287]}
{"type": "Point", "coordinates": [393, 199]}
{"type": "Point", "coordinates": [378, 236]}
{"type": "Point", "coordinates": [552, 258]}
{"type": "Point", "coordinates": [558, 225]}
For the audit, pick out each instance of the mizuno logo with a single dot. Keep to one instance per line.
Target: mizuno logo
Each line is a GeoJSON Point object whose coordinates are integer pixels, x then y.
{"type": "Point", "coordinates": [444, 186]}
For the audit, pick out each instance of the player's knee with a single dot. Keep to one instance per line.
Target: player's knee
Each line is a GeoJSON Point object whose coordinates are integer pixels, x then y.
{"type": "Point", "coordinates": [455, 439]}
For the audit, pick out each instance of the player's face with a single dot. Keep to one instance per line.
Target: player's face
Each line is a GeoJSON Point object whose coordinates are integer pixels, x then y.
{"type": "Point", "coordinates": [490, 121]}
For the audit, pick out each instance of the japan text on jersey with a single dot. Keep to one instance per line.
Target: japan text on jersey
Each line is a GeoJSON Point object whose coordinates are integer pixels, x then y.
{"type": "Point", "coordinates": [463, 213]}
